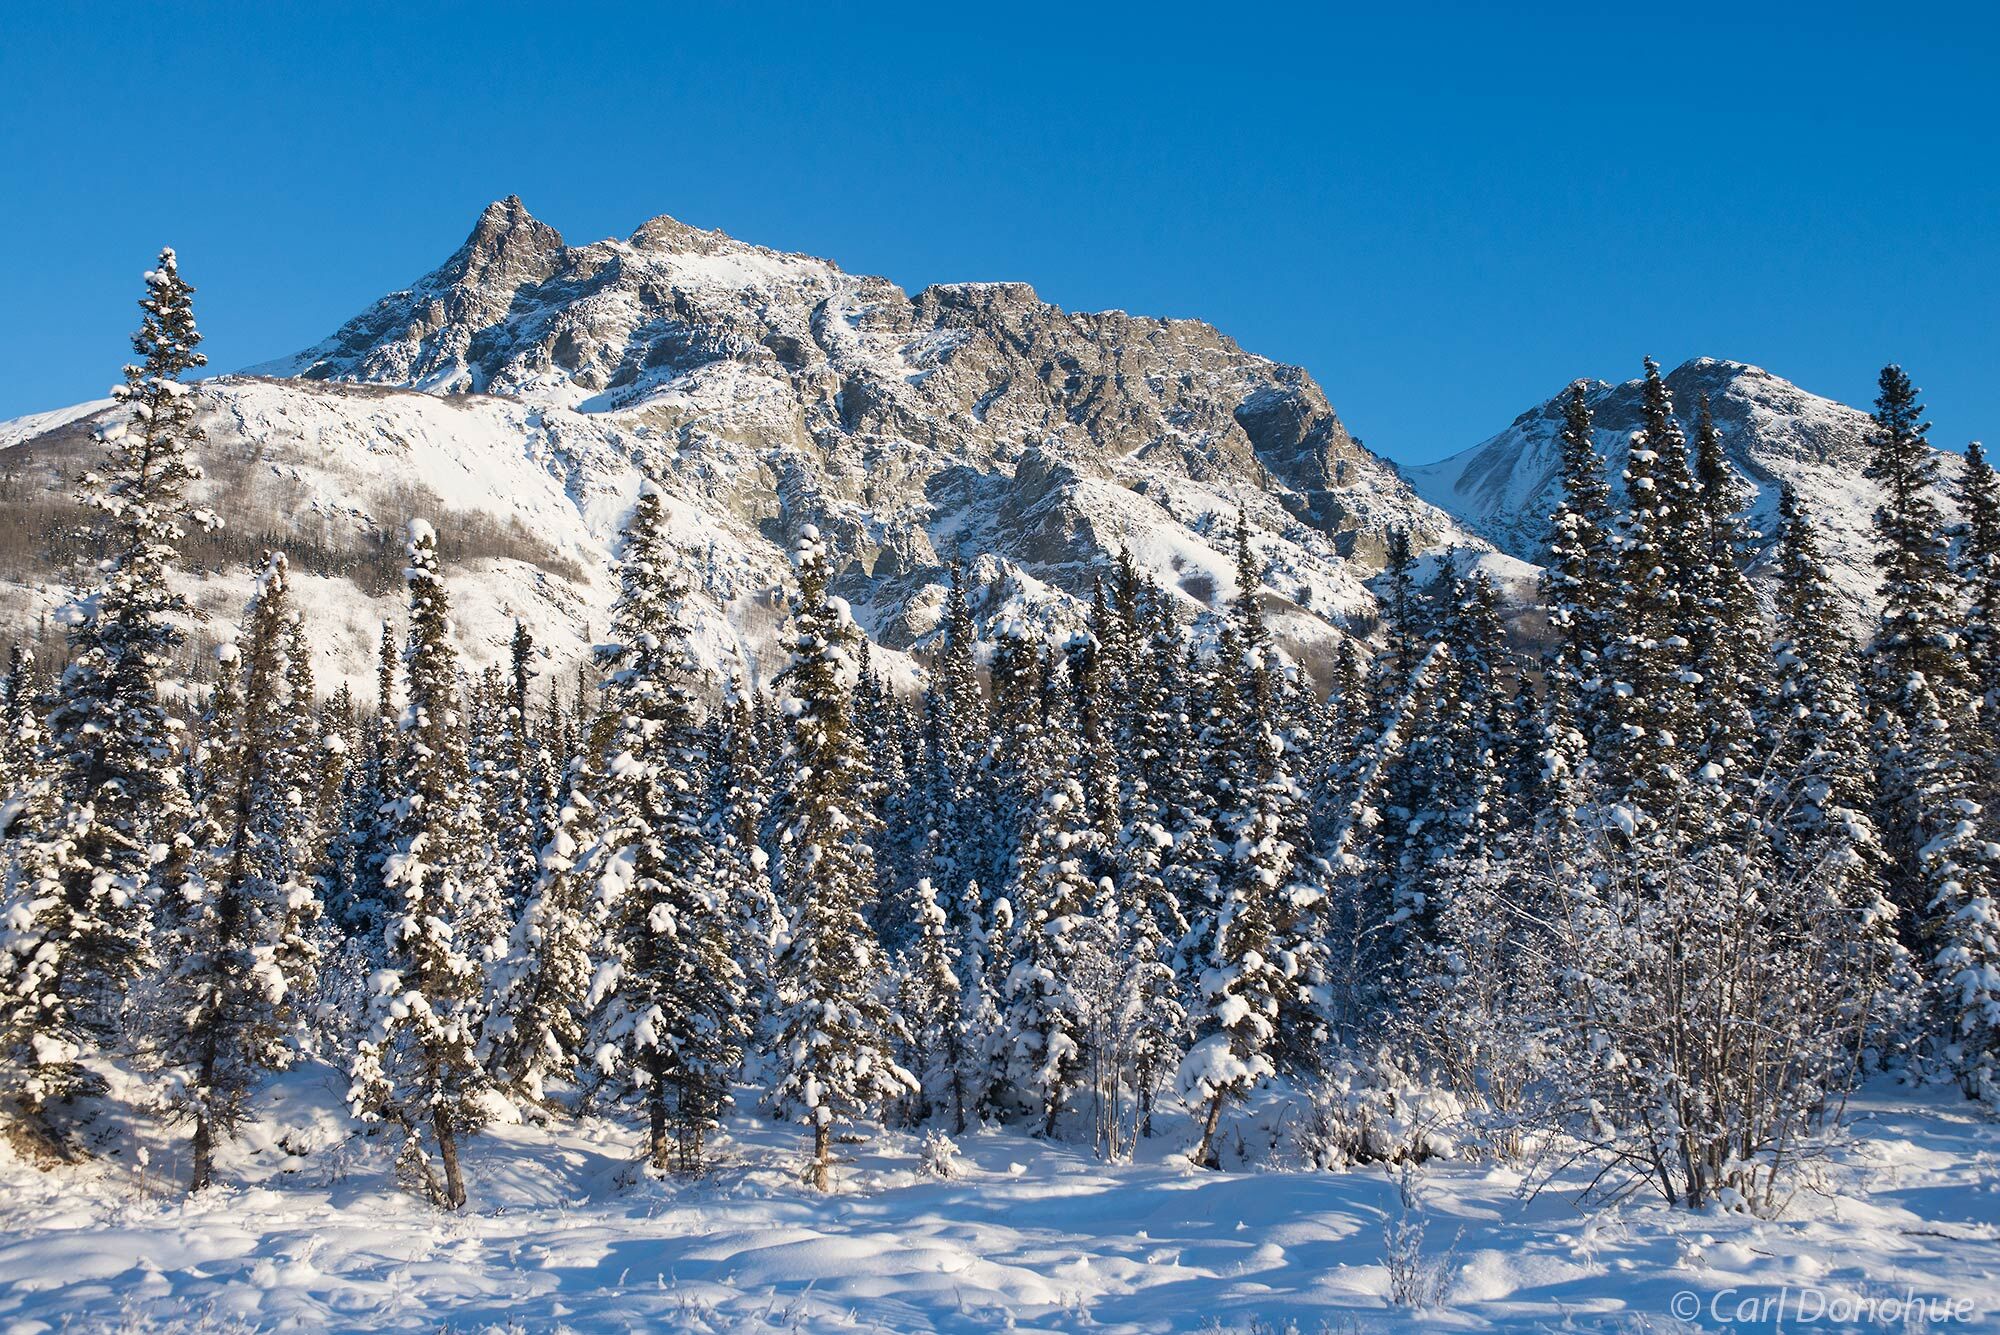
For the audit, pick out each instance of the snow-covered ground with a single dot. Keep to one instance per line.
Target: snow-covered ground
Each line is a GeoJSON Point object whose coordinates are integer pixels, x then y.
{"type": "Point", "coordinates": [563, 1234]}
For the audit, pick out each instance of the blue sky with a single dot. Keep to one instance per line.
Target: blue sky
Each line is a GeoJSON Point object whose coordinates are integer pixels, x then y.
{"type": "Point", "coordinates": [1444, 212]}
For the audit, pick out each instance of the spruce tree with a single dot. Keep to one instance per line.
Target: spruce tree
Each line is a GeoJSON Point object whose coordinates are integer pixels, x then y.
{"type": "Point", "coordinates": [1959, 883]}
{"type": "Point", "coordinates": [1727, 635]}
{"type": "Point", "coordinates": [1051, 891]}
{"type": "Point", "coordinates": [832, 1026]}
{"type": "Point", "coordinates": [22, 738]}
{"type": "Point", "coordinates": [738, 785]}
{"type": "Point", "coordinates": [958, 832]}
{"type": "Point", "coordinates": [534, 1028]}
{"type": "Point", "coordinates": [1916, 632]}
{"type": "Point", "coordinates": [1238, 1026]}
{"type": "Point", "coordinates": [39, 1037]}
{"type": "Point", "coordinates": [1813, 750]}
{"type": "Point", "coordinates": [1579, 583]}
{"type": "Point", "coordinates": [242, 951]}
{"type": "Point", "coordinates": [930, 996]}
{"type": "Point", "coordinates": [1646, 754]}
{"type": "Point", "coordinates": [114, 837]}
{"type": "Point", "coordinates": [673, 1023]}
{"type": "Point", "coordinates": [418, 1064]}
{"type": "Point", "coordinates": [360, 905]}
{"type": "Point", "coordinates": [1978, 570]}
{"type": "Point", "coordinates": [1915, 656]}
{"type": "Point", "coordinates": [1153, 925]}
{"type": "Point", "coordinates": [1816, 735]}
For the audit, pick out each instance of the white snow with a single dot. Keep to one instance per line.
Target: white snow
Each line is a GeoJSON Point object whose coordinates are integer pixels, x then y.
{"type": "Point", "coordinates": [563, 1234]}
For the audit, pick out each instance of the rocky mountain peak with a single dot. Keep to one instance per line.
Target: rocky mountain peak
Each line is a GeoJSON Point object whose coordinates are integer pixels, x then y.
{"type": "Point", "coordinates": [669, 234]}
{"type": "Point", "coordinates": [507, 246]}
{"type": "Point", "coordinates": [538, 381]}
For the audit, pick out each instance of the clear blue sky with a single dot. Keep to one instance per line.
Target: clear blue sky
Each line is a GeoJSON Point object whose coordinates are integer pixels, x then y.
{"type": "Point", "coordinates": [1444, 212]}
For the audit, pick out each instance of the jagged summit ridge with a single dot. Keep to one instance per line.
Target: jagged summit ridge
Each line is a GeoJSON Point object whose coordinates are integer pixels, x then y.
{"type": "Point", "coordinates": [685, 324]}
{"type": "Point", "coordinates": [535, 382]}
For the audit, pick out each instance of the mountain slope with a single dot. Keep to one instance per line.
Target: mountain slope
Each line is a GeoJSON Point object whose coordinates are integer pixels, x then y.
{"type": "Point", "coordinates": [1504, 488]}
{"type": "Point", "coordinates": [525, 385]}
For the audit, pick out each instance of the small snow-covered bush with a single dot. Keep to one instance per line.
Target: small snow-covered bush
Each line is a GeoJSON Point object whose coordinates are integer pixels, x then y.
{"type": "Point", "coordinates": [1376, 1112]}
{"type": "Point", "coordinates": [1416, 1281]}
{"type": "Point", "coordinates": [938, 1157]}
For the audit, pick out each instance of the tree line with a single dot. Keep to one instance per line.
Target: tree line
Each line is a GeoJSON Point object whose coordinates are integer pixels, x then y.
{"type": "Point", "coordinates": [1659, 896]}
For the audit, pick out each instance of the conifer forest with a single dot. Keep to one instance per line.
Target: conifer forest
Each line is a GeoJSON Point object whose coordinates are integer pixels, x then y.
{"type": "Point", "coordinates": [1636, 900]}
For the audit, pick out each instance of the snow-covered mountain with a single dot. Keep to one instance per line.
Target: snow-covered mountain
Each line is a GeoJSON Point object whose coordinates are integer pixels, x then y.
{"type": "Point", "coordinates": [518, 392]}
{"type": "Point", "coordinates": [1505, 487]}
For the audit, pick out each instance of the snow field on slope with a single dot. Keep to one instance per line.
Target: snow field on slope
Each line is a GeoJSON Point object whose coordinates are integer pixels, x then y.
{"type": "Point", "coordinates": [564, 1234]}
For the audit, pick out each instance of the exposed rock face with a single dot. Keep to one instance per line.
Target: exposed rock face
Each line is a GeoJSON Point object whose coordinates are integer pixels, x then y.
{"type": "Point", "coordinates": [773, 390]}
{"type": "Point", "coordinates": [1504, 488]}
{"type": "Point", "coordinates": [533, 382]}
{"type": "Point", "coordinates": [971, 373]}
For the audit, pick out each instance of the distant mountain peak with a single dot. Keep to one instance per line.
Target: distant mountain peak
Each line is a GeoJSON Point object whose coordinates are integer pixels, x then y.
{"type": "Point", "coordinates": [1505, 487]}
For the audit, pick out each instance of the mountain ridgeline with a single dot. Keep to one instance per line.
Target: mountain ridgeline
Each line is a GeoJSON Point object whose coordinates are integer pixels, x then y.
{"type": "Point", "coordinates": [534, 383]}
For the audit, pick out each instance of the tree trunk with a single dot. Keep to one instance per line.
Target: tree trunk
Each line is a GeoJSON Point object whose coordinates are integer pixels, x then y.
{"type": "Point", "coordinates": [1203, 1155]}
{"type": "Point", "coordinates": [204, 1154]}
{"type": "Point", "coordinates": [203, 1150]}
{"type": "Point", "coordinates": [454, 1181]}
{"type": "Point", "coordinates": [822, 1166]}
{"type": "Point", "coordinates": [656, 1107]}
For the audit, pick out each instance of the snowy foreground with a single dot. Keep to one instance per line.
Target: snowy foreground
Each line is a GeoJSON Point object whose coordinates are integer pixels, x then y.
{"type": "Point", "coordinates": [563, 1234]}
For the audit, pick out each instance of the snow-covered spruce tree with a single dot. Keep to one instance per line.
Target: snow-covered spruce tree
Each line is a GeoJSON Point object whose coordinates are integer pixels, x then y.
{"type": "Point", "coordinates": [831, 1024]}
{"type": "Point", "coordinates": [672, 1025]}
{"type": "Point", "coordinates": [1153, 925]}
{"type": "Point", "coordinates": [1377, 840]}
{"type": "Point", "coordinates": [1646, 754]}
{"type": "Point", "coordinates": [1237, 1027]}
{"type": "Point", "coordinates": [1051, 891]}
{"type": "Point", "coordinates": [1151, 931]}
{"type": "Point", "coordinates": [22, 736]}
{"type": "Point", "coordinates": [1957, 873]}
{"type": "Point", "coordinates": [39, 1040]}
{"type": "Point", "coordinates": [1727, 638]}
{"type": "Point", "coordinates": [1579, 585]}
{"type": "Point", "coordinates": [1342, 729]}
{"type": "Point", "coordinates": [318, 751]}
{"type": "Point", "coordinates": [1432, 785]}
{"type": "Point", "coordinates": [1098, 679]}
{"type": "Point", "coordinates": [929, 1000]}
{"type": "Point", "coordinates": [534, 1028]}
{"type": "Point", "coordinates": [1814, 744]}
{"type": "Point", "coordinates": [359, 905]}
{"type": "Point", "coordinates": [738, 801]}
{"type": "Point", "coordinates": [1007, 786]}
{"type": "Point", "coordinates": [892, 915]}
{"type": "Point", "coordinates": [1365, 822]}
{"type": "Point", "coordinates": [956, 727]}
{"type": "Point", "coordinates": [417, 1064]}
{"type": "Point", "coordinates": [242, 949]}
{"type": "Point", "coordinates": [1915, 655]}
{"type": "Point", "coordinates": [1978, 569]}
{"type": "Point", "coordinates": [113, 839]}
{"type": "Point", "coordinates": [515, 813]}
{"type": "Point", "coordinates": [1269, 825]}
